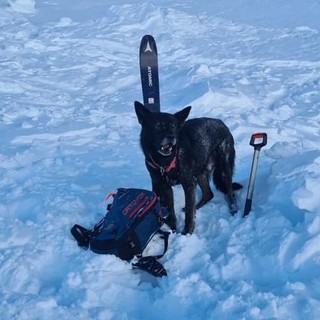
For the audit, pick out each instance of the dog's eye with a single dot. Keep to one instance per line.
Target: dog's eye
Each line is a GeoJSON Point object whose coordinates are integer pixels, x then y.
{"type": "Point", "coordinates": [164, 126]}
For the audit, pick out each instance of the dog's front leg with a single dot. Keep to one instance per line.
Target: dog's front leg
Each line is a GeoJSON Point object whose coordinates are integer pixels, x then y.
{"type": "Point", "coordinates": [190, 208]}
{"type": "Point", "coordinates": [165, 193]}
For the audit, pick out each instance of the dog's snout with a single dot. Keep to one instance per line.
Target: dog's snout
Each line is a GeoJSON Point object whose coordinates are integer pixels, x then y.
{"type": "Point", "coordinates": [167, 144]}
{"type": "Point", "coordinates": [171, 139]}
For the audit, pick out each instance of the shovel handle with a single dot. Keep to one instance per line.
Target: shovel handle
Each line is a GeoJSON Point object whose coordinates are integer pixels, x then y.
{"type": "Point", "coordinates": [258, 140]}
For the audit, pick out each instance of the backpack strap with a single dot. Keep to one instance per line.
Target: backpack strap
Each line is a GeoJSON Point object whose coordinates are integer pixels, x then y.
{"type": "Point", "coordinates": [151, 264]}
{"type": "Point", "coordinates": [82, 235]}
{"type": "Point", "coordinates": [165, 237]}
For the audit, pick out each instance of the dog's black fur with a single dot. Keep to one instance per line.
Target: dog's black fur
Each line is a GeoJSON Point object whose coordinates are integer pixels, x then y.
{"type": "Point", "coordinates": [187, 152]}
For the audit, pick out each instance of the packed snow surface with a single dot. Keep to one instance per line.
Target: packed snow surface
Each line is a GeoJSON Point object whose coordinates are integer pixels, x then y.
{"type": "Point", "coordinates": [69, 73]}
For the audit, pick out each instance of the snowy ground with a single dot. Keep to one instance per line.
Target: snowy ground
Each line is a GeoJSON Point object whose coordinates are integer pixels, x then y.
{"type": "Point", "coordinates": [68, 78]}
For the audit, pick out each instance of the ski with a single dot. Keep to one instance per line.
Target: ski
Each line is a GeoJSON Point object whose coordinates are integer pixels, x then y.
{"type": "Point", "coordinates": [149, 73]}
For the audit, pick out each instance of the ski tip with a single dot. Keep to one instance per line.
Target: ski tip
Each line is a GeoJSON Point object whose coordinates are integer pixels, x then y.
{"type": "Point", "coordinates": [148, 45]}
{"type": "Point", "coordinates": [147, 37]}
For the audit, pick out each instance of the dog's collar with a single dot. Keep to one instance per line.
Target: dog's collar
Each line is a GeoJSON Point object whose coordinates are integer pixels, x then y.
{"type": "Point", "coordinates": [163, 170]}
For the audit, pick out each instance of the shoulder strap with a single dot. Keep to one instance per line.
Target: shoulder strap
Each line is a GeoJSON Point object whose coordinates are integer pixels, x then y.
{"type": "Point", "coordinates": [165, 237]}
{"type": "Point", "coordinates": [82, 235]}
{"type": "Point", "coordinates": [151, 264]}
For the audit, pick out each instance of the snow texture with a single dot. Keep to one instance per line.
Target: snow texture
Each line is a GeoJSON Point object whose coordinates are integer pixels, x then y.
{"type": "Point", "coordinates": [69, 74]}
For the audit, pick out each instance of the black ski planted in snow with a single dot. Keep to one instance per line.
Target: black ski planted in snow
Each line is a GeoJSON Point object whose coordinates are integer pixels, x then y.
{"type": "Point", "coordinates": [149, 73]}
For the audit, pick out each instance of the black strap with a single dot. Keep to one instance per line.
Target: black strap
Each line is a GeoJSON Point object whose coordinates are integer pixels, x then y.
{"type": "Point", "coordinates": [165, 237]}
{"type": "Point", "coordinates": [82, 235]}
{"type": "Point", "coordinates": [151, 264]}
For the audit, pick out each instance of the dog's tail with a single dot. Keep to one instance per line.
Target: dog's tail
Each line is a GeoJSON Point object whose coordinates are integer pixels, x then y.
{"type": "Point", "coordinates": [236, 186]}
{"type": "Point", "coordinates": [222, 187]}
{"type": "Point", "coordinates": [224, 168]}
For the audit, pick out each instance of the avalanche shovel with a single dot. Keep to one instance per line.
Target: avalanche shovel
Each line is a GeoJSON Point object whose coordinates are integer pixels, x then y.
{"type": "Point", "coordinates": [258, 140]}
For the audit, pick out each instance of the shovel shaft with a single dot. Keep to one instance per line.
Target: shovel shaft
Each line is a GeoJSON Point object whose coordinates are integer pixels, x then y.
{"type": "Point", "coordinates": [253, 173]}
{"type": "Point", "coordinates": [252, 181]}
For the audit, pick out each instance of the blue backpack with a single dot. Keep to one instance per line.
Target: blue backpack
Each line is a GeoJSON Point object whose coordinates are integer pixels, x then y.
{"type": "Point", "coordinates": [132, 219]}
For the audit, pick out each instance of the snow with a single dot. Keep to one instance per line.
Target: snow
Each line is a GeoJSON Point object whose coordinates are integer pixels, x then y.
{"type": "Point", "coordinates": [68, 77]}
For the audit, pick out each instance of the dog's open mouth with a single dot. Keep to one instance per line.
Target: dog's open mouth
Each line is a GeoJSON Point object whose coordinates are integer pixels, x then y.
{"type": "Point", "coordinates": [166, 149]}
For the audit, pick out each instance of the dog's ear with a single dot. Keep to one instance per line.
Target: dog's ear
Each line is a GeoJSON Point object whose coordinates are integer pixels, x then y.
{"type": "Point", "coordinates": [182, 115]}
{"type": "Point", "coordinates": [141, 111]}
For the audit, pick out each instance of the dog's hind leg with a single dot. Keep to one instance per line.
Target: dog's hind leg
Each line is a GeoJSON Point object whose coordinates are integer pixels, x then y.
{"type": "Point", "coordinates": [223, 173]}
{"type": "Point", "coordinates": [207, 194]}
{"type": "Point", "coordinates": [223, 181]}
{"type": "Point", "coordinates": [233, 208]}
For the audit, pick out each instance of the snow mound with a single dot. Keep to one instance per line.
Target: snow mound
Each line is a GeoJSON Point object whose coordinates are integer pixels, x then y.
{"type": "Point", "coordinates": [23, 6]}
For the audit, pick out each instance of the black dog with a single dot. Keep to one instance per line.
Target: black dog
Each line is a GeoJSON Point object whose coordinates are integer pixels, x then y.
{"type": "Point", "coordinates": [187, 152]}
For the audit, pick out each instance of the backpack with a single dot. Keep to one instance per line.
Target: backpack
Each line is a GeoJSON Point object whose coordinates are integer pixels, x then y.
{"type": "Point", "coordinates": [131, 221]}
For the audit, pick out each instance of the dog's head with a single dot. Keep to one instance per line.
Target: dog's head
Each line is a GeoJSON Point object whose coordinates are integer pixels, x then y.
{"type": "Point", "coordinates": [160, 130]}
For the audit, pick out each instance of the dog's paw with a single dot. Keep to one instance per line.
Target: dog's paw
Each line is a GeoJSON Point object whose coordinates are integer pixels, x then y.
{"type": "Point", "coordinates": [171, 223]}
{"type": "Point", "coordinates": [185, 232]}
{"type": "Point", "coordinates": [233, 209]}
{"type": "Point", "coordinates": [188, 229]}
